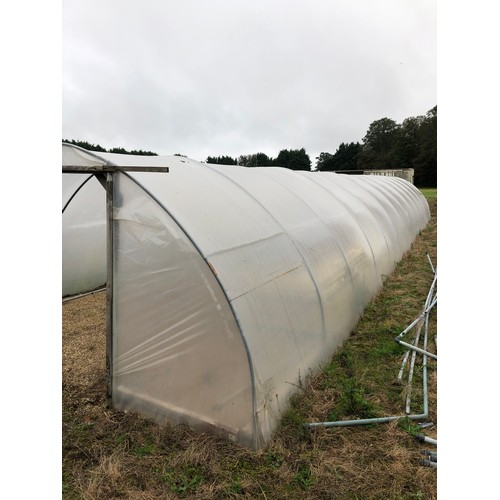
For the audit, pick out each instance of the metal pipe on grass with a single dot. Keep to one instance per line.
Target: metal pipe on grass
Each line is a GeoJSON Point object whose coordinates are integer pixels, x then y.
{"type": "Point", "coordinates": [412, 366]}
{"type": "Point", "coordinates": [364, 421]}
{"type": "Point", "coordinates": [430, 262]}
{"type": "Point", "coordinates": [403, 364]}
{"type": "Point", "coordinates": [424, 362]}
{"type": "Point", "coordinates": [397, 339]}
{"type": "Point", "coordinates": [379, 420]}
{"type": "Point", "coordinates": [416, 349]}
{"type": "Point", "coordinates": [426, 311]}
{"type": "Point", "coordinates": [411, 325]}
{"type": "Point", "coordinates": [428, 463]}
{"type": "Point", "coordinates": [424, 439]}
{"type": "Point", "coordinates": [425, 353]}
{"type": "Point", "coordinates": [423, 425]}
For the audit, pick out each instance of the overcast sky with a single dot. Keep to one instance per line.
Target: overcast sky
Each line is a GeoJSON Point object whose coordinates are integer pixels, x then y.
{"type": "Point", "coordinates": [228, 77]}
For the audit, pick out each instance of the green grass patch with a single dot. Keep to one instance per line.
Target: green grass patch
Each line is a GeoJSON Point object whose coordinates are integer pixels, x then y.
{"type": "Point", "coordinates": [235, 488]}
{"type": "Point", "coordinates": [429, 193]}
{"type": "Point", "coordinates": [142, 451]}
{"type": "Point", "coordinates": [305, 478]}
{"type": "Point", "coordinates": [273, 459]}
{"type": "Point", "coordinates": [409, 426]}
{"type": "Point", "coordinates": [183, 482]}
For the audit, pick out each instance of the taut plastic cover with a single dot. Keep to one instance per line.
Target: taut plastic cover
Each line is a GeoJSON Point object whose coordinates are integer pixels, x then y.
{"type": "Point", "coordinates": [83, 225]}
{"type": "Point", "coordinates": [231, 283]}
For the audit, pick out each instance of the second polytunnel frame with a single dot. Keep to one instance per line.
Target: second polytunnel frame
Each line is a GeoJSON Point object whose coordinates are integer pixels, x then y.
{"type": "Point", "coordinates": [104, 174]}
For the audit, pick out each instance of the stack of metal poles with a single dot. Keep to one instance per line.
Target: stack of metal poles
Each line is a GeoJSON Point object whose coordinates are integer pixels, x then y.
{"type": "Point", "coordinates": [420, 323]}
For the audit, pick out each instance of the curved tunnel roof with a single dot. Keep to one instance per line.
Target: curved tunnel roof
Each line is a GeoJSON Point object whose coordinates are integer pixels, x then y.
{"type": "Point", "coordinates": [232, 283]}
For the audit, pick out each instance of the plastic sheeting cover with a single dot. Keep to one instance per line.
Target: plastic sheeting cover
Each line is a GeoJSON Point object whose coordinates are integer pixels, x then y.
{"type": "Point", "coordinates": [177, 350]}
{"type": "Point", "coordinates": [83, 225]}
{"type": "Point", "coordinates": [232, 283]}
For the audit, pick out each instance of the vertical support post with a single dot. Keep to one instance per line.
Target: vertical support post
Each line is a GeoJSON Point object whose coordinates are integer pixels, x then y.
{"type": "Point", "coordinates": [109, 286]}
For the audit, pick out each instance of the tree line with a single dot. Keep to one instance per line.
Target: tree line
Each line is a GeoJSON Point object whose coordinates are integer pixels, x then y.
{"type": "Point", "coordinates": [389, 145]}
{"type": "Point", "coordinates": [295, 159]}
{"type": "Point", "coordinates": [96, 147]}
{"type": "Point", "coordinates": [386, 145]}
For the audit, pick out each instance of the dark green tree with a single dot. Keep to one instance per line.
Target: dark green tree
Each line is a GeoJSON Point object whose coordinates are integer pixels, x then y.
{"type": "Point", "coordinates": [93, 147]}
{"type": "Point", "coordinates": [425, 163]}
{"type": "Point", "coordinates": [85, 145]}
{"type": "Point", "coordinates": [345, 158]}
{"type": "Point", "coordinates": [140, 152]}
{"type": "Point", "coordinates": [122, 151]}
{"type": "Point", "coordinates": [378, 145]}
{"type": "Point", "coordinates": [294, 159]}
{"type": "Point", "coordinates": [255, 160]}
{"type": "Point", "coordinates": [222, 160]}
{"type": "Point", "coordinates": [407, 143]}
{"type": "Point", "coordinates": [324, 162]}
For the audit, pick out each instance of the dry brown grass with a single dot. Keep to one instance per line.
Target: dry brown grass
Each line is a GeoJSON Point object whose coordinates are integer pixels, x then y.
{"type": "Point", "coordinates": [109, 454]}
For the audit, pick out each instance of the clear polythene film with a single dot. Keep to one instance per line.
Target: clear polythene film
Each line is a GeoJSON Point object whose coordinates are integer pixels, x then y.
{"type": "Point", "coordinates": [285, 261]}
{"type": "Point", "coordinates": [83, 225]}
{"type": "Point", "coordinates": [84, 237]}
{"type": "Point", "coordinates": [177, 352]}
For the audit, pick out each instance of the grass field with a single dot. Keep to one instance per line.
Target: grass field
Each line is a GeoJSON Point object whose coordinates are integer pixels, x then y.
{"type": "Point", "coordinates": [109, 454]}
{"type": "Point", "coordinates": [429, 193]}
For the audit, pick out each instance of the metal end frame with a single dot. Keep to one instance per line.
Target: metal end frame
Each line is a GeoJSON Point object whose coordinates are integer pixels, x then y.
{"type": "Point", "coordinates": [106, 175]}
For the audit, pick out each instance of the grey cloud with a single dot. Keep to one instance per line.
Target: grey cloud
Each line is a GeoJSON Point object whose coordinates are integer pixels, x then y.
{"type": "Point", "coordinates": [224, 77]}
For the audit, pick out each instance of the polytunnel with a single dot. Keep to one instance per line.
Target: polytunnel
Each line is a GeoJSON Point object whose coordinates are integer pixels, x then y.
{"type": "Point", "coordinates": [231, 284]}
